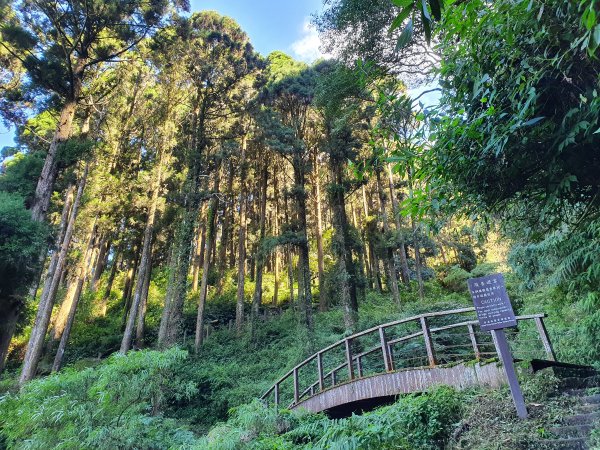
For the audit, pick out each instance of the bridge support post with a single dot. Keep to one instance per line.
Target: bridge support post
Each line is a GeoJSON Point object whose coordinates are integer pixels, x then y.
{"type": "Point", "coordinates": [349, 359]}
{"type": "Point", "coordinates": [296, 389]}
{"type": "Point", "coordinates": [389, 367]}
{"type": "Point", "coordinates": [428, 342]}
{"type": "Point", "coordinates": [320, 370]}
{"type": "Point", "coordinates": [539, 323]}
{"type": "Point", "coordinates": [474, 342]}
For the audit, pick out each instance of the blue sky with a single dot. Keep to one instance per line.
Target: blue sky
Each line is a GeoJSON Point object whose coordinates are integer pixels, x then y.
{"type": "Point", "coordinates": [271, 24]}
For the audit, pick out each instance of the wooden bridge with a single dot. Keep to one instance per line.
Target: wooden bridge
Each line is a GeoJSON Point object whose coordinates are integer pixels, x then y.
{"type": "Point", "coordinates": [404, 356]}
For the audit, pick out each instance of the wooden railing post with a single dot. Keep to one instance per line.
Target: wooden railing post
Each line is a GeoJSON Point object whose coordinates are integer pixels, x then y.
{"type": "Point", "coordinates": [276, 395]}
{"type": "Point", "coordinates": [359, 366]}
{"type": "Point", "coordinates": [539, 322]}
{"type": "Point", "coordinates": [349, 359]}
{"type": "Point", "coordinates": [428, 342]}
{"type": "Point", "coordinates": [320, 370]}
{"type": "Point", "coordinates": [474, 341]}
{"type": "Point", "coordinates": [296, 390]}
{"type": "Point", "coordinates": [385, 350]}
{"type": "Point", "coordinates": [333, 380]}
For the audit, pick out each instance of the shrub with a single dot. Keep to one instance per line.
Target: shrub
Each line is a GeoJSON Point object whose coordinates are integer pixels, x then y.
{"type": "Point", "coordinates": [456, 279]}
{"type": "Point", "coordinates": [118, 404]}
{"type": "Point", "coordinates": [414, 422]}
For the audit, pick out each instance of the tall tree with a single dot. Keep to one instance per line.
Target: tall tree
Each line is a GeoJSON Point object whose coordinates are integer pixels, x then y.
{"type": "Point", "coordinates": [58, 43]}
{"type": "Point", "coordinates": [289, 93]}
{"type": "Point", "coordinates": [217, 56]}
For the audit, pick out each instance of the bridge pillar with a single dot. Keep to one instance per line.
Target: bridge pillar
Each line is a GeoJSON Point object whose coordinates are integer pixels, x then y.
{"type": "Point", "coordinates": [428, 342]}
{"type": "Point", "coordinates": [385, 349]}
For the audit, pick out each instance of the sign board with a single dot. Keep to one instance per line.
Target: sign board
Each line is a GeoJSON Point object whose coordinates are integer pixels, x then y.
{"type": "Point", "coordinates": [495, 313]}
{"type": "Point", "coordinates": [491, 301]}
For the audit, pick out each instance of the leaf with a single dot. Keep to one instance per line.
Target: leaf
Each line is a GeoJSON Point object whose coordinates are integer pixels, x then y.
{"type": "Point", "coordinates": [590, 20]}
{"type": "Point", "coordinates": [436, 8]}
{"type": "Point", "coordinates": [403, 3]}
{"type": "Point", "coordinates": [426, 24]}
{"type": "Point", "coordinates": [425, 10]}
{"type": "Point", "coordinates": [405, 36]}
{"type": "Point", "coordinates": [532, 121]}
{"type": "Point", "coordinates": [400, 18]}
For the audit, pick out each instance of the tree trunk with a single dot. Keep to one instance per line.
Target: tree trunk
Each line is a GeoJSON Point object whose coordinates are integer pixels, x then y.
{"type": "Point", "coordinates": [404, 272]}
{"type": "Point", "coordinates": [45, 184]}
{"type": "Point", "coordinates": [9, 316]}
{"type": "Point", "coordinates": [418, 263]}
{"type": "Point", "coordinates": [64, 221]}
{"type": "Point", "coordinates": [257, 298]}
{"type": "Point", "coordinates": [276, 249]}
{"type": "Point", "coordinates": [100, 264]}
{"type": "Point", "coordinates": [141, 319]}
{"type": "Point", "coordinates": [319, 234]}
{"type": "Point", "coordinates": [241, 278]}
{"type": "Point", "coordinates": [304, 278]}
{"type": "Point", "coordinates": [226, 229]}
{"type": "Point", "coordinates": [65, 307]}
{"type": "Point", "coordinates": [44, 312]}
{"type": "Point", "coordinates": [346, 283]}
{"type": "Point", "coordinates": [390, 263]}
{"type": "Point", "coordinates": [128, 289]}
{"type": "Point", "coordinates": [109, 283]}
{"type": "Point", "coordinates": [210, 244]}
{"type": "Point", "coordinates": [78, 283]}
{"type": "Point", "coordinates": [144, 263]}
{"type": "Point", "coordinates": [368, 250]}
{"type": "Point", "coordinates": [199, 251]}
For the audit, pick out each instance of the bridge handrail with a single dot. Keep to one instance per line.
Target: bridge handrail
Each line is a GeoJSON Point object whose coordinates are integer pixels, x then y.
{"type": "Point", "coordinates": [385, 347]}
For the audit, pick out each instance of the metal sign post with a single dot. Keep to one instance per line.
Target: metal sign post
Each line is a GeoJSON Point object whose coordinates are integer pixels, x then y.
{"type": "Point", "coordinates": [495, 313]}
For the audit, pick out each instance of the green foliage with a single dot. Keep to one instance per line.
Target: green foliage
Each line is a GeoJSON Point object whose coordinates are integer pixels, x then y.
{"type": "Point", "coordinates": [20, 174]}
{"type": "Point", "coordinates": [118, 404]}
{"type": "Point", "coordinates": [519, 113]}
{"type": "Point", "coordinates": [413, 422]}
{"type": "Point", "coordinates": [456, 279]}
{"type": "Point", "coordinates": [21, 241]}
{"type": "Point", "coordinates": [567, 267]}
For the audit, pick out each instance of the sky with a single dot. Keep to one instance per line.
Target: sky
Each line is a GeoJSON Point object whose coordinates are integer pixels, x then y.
{"type": "Point", "coordinates": [273, 24]}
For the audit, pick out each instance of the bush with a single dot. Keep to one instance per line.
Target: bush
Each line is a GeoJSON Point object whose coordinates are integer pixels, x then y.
{"type": "Point", "coordinates": [484, 269]}
{"type": "Point", "coordinates": [118, 404]}
{"type": "Point", "coordinates": [414, 422]}
{"type": "Point", "coordinates": [456, 279]}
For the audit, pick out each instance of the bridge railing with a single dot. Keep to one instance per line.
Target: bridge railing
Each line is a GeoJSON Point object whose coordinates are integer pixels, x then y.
{"type": "Point", "coordinates": [422, 341]}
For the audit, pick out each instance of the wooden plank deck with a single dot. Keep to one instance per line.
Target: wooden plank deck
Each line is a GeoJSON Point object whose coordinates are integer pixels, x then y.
{"type": "Point", "coordinates": [460, 376]}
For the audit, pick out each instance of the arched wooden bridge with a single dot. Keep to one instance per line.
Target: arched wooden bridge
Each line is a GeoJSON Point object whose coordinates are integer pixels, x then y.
{"type": "Point", "coordinates": [404, 356]}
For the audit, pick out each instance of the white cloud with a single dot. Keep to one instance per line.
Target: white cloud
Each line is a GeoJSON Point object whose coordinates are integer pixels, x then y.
{"type": "Point", "coordinates": [307, 48]}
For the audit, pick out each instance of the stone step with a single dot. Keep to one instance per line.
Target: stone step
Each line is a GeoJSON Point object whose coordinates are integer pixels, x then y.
{"type": "Point", "coordinates": [572, 431]}
{"type": "Point", "coordinates": [574, 392]}
{"type": "Point", "coordinates": [591, 399]}
{"type": "Point", "coordinates": [588, 408]}
{"type": "Point", "coordinates": [565, 444]}
{"type": "Point", "coordinates": [582, 419]}
{"type": "Point", "coordinates": [580, 382]}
